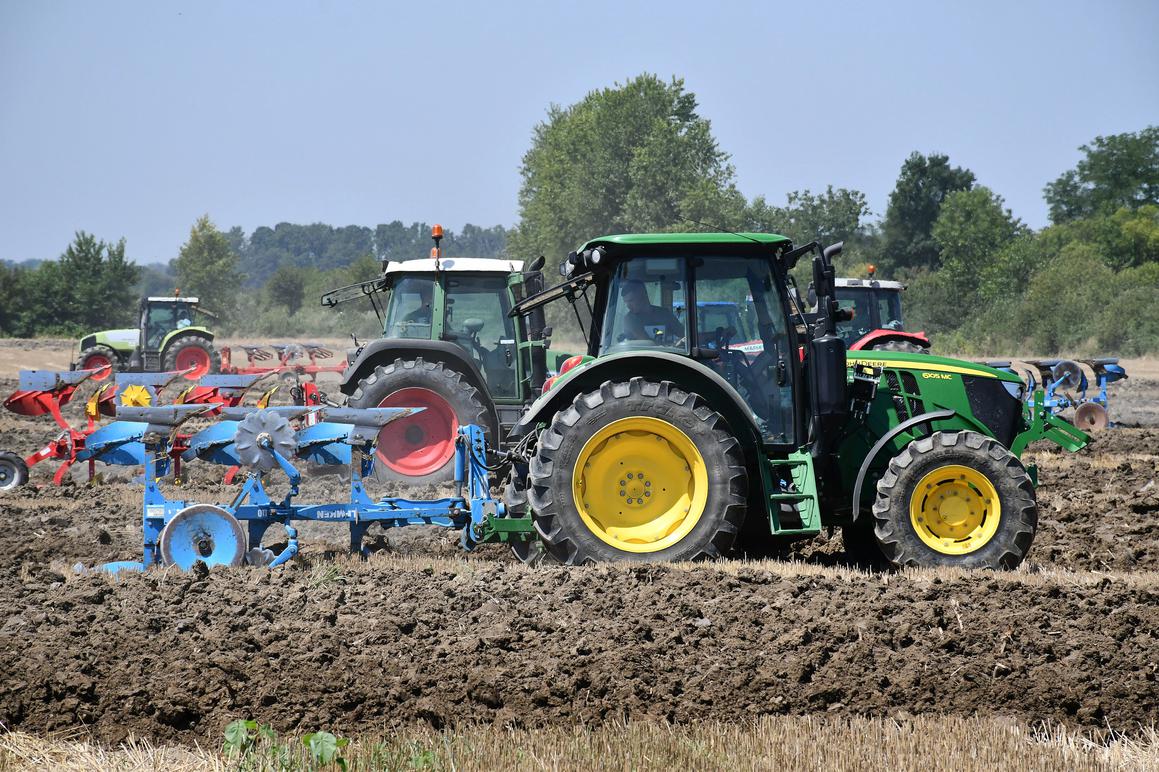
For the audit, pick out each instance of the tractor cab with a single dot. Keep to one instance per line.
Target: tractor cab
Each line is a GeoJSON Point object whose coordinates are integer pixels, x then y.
{"type": "Point", "coordinates": [463, 301]}
{"type": "Point", "coordinates": [174, 334]}
{"type": "Point", "coordinates": [875, 319]}
{"type": "Point", "coordinates": [741, 337]}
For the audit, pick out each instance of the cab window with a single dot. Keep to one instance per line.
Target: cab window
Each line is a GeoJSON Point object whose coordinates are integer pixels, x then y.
{"type": "Point", "coordinates": [410, 308]}
{"type": "Point", "coordinates": [640, 308]}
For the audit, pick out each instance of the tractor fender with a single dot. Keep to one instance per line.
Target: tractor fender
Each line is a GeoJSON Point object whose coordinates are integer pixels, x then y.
{"type": "Point", "coordinates": [933, 415]}
{"type": "Point", "coordinates": [875, 337]}
{"type": "Point", "coordinates": [657, 366]}
{"type": "Point", "coordinates": [386, 350]}
{"type": "Point", "coordinates": [184, 332]}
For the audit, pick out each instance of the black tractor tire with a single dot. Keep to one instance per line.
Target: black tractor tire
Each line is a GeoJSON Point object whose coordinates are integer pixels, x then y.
{"type": "Point", "coordinates": [1018, 508]}
{"type": "Point", "coordinates": [192, 342]}
{"type": "Point", "coordinates": [557, 519]}
{"type": "Point", "coordinates": [903, 346]}
{"type": "Point", "coordinates": [98, 350]}
{"type": "Point", "coordinates": [467, 402]}
{"type": "Point", "coordinates": [13, 471]}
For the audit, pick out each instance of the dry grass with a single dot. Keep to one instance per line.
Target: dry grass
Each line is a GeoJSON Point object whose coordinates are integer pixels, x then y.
{"type": "Point", "coordinates": [806, 742]}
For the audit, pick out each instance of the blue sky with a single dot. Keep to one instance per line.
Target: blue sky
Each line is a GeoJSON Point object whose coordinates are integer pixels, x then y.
{"type": "Point", "coordinates": [132, 119]}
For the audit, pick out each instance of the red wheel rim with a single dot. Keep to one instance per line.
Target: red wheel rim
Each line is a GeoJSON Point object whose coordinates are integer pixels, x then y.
{"type": "Point", "coordinates": [93, 361]}
{"type": "Point", "coordinates": [197, 358]}
{"type": "Point", "coordinates": [419, 444]}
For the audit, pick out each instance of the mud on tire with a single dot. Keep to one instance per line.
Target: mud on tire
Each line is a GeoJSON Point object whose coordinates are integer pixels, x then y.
{"type": "Point", "coordinates": [1018, 514]}
{"type": "Point", "coordinates": [465, 401]}
{"type": "Point", "coordinates": [558, 521]}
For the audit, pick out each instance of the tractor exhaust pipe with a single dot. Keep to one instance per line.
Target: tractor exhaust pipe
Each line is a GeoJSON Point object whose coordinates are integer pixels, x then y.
{"type": "Point", "coordinates": [535, 324]}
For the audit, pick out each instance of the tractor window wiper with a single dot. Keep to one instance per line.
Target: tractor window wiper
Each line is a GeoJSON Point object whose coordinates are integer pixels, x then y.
{"type": "Point", "coordinates": [571, 288]}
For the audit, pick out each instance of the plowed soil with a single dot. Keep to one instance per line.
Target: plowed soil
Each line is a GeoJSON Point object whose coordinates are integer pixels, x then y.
{"type": "Point", "coordinates": [422, 633]}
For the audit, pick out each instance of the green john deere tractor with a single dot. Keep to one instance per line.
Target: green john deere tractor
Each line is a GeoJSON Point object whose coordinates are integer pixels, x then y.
{"type": "Point", "coordinates": [450, 346]}
{"type": "Point", "coordinates": [173, 336]}
{"type": "Point", "coordinates": [667, 443]}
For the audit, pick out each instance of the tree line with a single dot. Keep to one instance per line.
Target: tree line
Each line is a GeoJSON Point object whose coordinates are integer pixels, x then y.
{"type": "Point", "coordinates": [639, 157]}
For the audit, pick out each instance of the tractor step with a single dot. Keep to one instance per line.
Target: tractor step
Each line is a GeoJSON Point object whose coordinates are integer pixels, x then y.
{"type": "Point", "coordinates": [791, 495]}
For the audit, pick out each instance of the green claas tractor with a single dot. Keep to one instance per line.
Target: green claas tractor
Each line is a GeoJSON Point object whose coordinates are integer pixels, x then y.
{"type": "Point", "coordinates": [664, 442]}
{"type": "Point", "coordinates": [173, 336]}
{"type": "Point", "coordinates": [450, 346]}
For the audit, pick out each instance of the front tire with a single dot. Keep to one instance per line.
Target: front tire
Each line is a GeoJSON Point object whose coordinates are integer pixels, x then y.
{"type": "Point", "coordinates": [637, 471]}
{"type": "Point", "coordinates": [98, 356]}
{"type": "Point", "coordinates": [420, 449]}
{"type": "Point", "coordinates": [955, 499]}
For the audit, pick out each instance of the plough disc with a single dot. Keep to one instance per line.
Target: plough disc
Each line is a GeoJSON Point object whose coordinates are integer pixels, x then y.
{"type": "Point", "coordinates": [202, 533]}
{"type": "Point", "coordinates": [260, 433]}
{"type": "Point", "coordinates": [1090, 416]}
{"type": "Point", "coordinates": [1068, 374]}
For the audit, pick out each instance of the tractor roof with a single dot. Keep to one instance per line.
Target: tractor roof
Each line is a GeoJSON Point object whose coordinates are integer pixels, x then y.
{"type": "Point", "coordinates": [677, 239]}
{"type": "Point", "coordinates": [181, 299]}
{"type": "Point", "coordinates": [870, 284]}
{"type": "Point", "coordinates": [476, 264]}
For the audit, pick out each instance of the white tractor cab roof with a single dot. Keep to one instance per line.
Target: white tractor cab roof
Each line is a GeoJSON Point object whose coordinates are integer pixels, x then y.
{"type": "Point", "coordinates": [475, 264]}
{"type": "Point", "coordinates": [870, 284]}
{"type": "Point", "coordinates": [181, 299]}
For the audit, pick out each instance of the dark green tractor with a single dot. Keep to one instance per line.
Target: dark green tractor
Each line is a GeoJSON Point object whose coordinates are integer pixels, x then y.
{"type": "Point", "coordinates": [450, 346]}
{"type": "Point", "coordinates": [666, 442]}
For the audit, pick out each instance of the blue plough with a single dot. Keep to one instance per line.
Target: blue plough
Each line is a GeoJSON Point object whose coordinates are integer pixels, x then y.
{"type": "Point", "coordinates": [265, 441]}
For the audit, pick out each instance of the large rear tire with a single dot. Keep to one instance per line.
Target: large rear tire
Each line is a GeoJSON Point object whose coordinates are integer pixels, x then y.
{"type": "Point", "coordinates": [420, 449]}
{"type": "Point", "coordinates": [637, 471]}
{"type": "Point", "coordinates": [98, 356]}
{"type": "Point", "coordinates": [955, 499]}
{"type": "Point", "coordinates": [192, 351]}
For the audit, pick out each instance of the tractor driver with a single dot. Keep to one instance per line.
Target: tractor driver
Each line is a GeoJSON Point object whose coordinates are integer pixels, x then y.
{"type": "Point", "coordinates": [644, 320]}
{"type": "Point", "coordinates": [422, 314]}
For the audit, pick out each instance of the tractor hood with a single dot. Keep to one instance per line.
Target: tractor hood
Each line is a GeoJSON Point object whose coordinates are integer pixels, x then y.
{"type": "Point", "coordinates": [928, 363]}
{"type": "Point", "coordinates": [118, 340]}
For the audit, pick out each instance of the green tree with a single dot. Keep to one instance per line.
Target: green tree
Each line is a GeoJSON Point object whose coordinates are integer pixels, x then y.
{"type": "Point", "coordinates": [91, 287]}
{"type": "Point", "coordinates": [208, 268]}
{"type": "Point", "coordinates": [913, 208]}
{"type": "Point", "coordinates": [1119, 171]}
{"type": "Point", "coordinates": [835, 215]}
{"type": "Point", "coordinates": [287, 287]}
{"type": "Point", "coordinates": [13, 300]}
{"type": "Point", "coordinates": [972, 230]}
{"type": "Point", "coordinates": [635, 157]}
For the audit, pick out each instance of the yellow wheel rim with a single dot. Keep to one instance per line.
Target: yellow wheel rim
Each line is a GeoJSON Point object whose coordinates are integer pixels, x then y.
{"type": "Point", "coordinates": [955, 510]}
{"type": "Point", "coordinates": [134, 395]}
{"type": "Point", "coordinates": [640, 484]}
